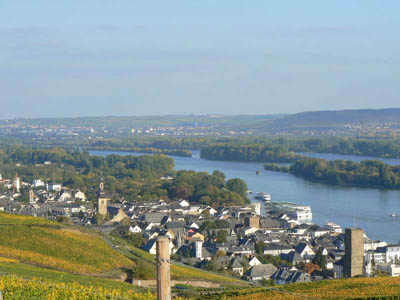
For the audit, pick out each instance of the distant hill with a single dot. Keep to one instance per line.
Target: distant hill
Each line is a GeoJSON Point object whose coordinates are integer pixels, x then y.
{"type": "Point", "coordinates": [339, 117]}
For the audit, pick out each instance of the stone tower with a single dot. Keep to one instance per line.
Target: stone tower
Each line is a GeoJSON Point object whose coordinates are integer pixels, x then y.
{"type": "Point", "coordinates": [252, 221]}
{"type": "Point", "coordinates": [354, 252]}
{"type": "Point", "coordinates": [102, 199]}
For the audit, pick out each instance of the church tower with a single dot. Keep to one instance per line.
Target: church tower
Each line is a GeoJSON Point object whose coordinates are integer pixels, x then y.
{"type": "Point", "coordinates": [102, 199]}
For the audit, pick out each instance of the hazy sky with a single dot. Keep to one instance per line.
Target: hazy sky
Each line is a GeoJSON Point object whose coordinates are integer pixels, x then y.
{"type": "Point", "coordinates": [80, 58]}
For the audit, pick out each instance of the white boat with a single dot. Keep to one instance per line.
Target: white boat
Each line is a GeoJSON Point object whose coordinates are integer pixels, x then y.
{"type": "Point", "coordinates": [263, 196]}
{"type": "Point", "coordinates": [393, 215]}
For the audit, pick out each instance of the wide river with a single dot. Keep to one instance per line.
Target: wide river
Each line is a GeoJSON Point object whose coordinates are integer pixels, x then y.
{"type": "Point", "coordinates": [369, 209]}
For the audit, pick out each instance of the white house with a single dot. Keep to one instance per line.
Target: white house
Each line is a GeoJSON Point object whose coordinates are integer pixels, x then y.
{"type": "Point", "coordinates": [184, 203]}
{"type": "Point", "coordinates": [64, 197]}
{"type": "Point", "coordinates": [194, 210]}
{"type": "Point", "coordinates": [392, 253]}
{"type": "Point", "coordinates": [151, 246]}
{"type": "Point", "coordinates": [135, 229]}
{"type": "Point", "coordinates": [211, 210]}
{"type": "Point", "coordinates": [305, 251]}
{"type": "Point", "coordinates": [254, 262]}
{"type": "Point", "coordinates": [388, 268]}
{"type": "Point", "coordinates": [77, 208]}
{"type": "Point", "coordinates": [54, 187]}
{"type": "Point", "coordinates": [79, 195]}
{"type": "Point", "coordinates": [194, 226]}
{"type": "Point", "coordinates": [373, 245]}
{"type": "Point", "coordinates": [376, 256]}
{"type": "Point", "coordinates": [320, 231]}
{"type": "Point", "coordinates": [37, 183]}
{"type": "Point", "coordinates": [250, 230]}
{"type": "Point", "coordinates": [237, 267]}
{"type": "Point", "coordinates": [149, 226]}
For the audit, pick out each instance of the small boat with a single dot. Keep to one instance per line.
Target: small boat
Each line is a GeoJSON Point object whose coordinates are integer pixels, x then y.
{"type": "Point", "coordinates": [393, 215]}
{"type": "Point", "coordinates": [249, 192]}
{"type": "Point", "coordinates": [258, 172]}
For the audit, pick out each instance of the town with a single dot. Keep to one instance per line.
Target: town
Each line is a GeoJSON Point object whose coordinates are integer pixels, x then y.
{"type": "Point", "coordinates": [179, 126]}
{"type": "Point", "coordinates": [261, 243]}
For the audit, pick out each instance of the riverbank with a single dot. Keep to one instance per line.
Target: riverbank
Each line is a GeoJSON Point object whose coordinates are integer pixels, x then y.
{"type": "Point", "coordinates": [341, 204]}
{"type": "Point", "coordinates": [365, 174]}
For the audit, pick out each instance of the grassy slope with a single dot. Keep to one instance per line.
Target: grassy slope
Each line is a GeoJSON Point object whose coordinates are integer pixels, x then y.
{"type": "Point", "coordinates": [48, 244]}
{"type": "Point", "coordinates": [17, 288]}
{"type": "Point", "coordinates": [31, 272]}
{"type": "Point", "coordinates": [45, 243]}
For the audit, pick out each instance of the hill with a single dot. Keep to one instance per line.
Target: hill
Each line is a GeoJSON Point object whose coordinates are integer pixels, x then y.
{"type": "Point", "coordinates": [16, 288]}
{"type": "Point", "coordinates": [338, 118]}
{"type": "Point", "coordinates": [46, 243]}
{"type": "Point", "coordinates": [42, 259]}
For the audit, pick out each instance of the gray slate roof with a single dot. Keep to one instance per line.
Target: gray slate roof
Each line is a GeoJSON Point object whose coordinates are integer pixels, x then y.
{"type": "Point", "coordinates": [264, 270]}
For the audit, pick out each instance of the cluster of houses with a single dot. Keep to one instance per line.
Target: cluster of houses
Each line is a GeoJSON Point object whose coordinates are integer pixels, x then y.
{"type": "Point", "coordinates": [238, 240]}
{"type": "Point", "coordinates": [44, 199]}
{"type": "Point", "coordinates": [281, 245]}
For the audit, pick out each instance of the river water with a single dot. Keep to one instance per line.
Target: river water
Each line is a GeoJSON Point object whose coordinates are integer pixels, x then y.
{"type": "Point", "coordinates": [367, 208]}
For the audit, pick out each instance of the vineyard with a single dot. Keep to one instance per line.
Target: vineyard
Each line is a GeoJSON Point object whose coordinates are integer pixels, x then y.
{"type": "Point", "coordinates": [382, 288]}
{"type": "Point", "coordinates": [16, 288]}
{"type": "Point", "coordinates": [45, 243]}
{"type": "Point", "coordinates": [30, 272]}
{"type": "Point", "coordinates": [63, 257]}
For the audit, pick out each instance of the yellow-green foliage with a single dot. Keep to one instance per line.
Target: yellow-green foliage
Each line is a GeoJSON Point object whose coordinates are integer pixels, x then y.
{"type": "Point", "coordinates": [329, 289]}
{"type": "Point", "coordinates": [30, 272]}
{"type": "Point", "coordinates": [17, 288]}
{"type": "Point", "coordinates": [7, 219]}
{"type": "Point", "coordinates": [42, 242]}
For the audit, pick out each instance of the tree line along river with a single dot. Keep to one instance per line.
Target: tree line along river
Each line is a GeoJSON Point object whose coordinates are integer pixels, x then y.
{"type": "Point", "coordinates": [368, 208]}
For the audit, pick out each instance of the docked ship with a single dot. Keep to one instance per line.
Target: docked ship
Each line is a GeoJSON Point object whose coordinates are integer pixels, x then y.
{"type": "Point", "coordinates": [298, 213]}
{"type": "Point", "coordinates": [263, 196]}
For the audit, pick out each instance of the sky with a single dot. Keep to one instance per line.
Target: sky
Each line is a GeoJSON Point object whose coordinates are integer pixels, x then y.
{"type": "Point", "coordinates": [126, 57]}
